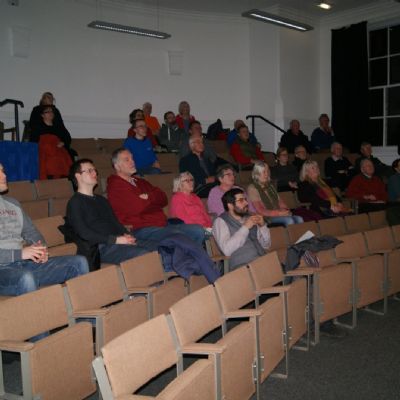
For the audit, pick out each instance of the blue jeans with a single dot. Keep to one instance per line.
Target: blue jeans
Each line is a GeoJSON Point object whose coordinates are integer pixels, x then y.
{"type": "Point", "coordinates": [25, 276]}
{"type": "Point", "coordinates": [116, 253]}
{"type": "Point", "coordinates": [156, 234]}
{"type": "Point", "coordinates": [288, 220]}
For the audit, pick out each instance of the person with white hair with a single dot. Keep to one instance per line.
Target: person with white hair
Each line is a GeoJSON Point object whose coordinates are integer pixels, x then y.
{"type": "Point", "coordinates": [186, 205]}
{"type": "Point", "coordinates": [338, 169]}
{"type": "Point", "coordinates": [266, 199]}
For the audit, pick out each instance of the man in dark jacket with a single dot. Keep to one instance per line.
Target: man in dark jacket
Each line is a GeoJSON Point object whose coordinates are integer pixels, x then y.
{"type": "Point", "coordinates": [295, 137]}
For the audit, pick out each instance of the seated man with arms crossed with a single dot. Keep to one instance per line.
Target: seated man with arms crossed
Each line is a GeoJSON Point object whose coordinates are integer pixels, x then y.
{"type": "Point", "coordinates": [140, 205]}
{"type": "Point", "coordinates": [241, 236]}
{"type": "Point", "coordinates": [25, 268]}
{"type": "Point", "coordinates": [93, 220]}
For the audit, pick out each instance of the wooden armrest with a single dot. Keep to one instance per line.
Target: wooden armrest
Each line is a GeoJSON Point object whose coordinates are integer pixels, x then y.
{"type": "Point", "coordinates": [202, 348]}
{"type": "Point", "coordinates": [273, 289]}
{"type": "Point", "coordinates": [381, 251]}
{"type": "Point", "coordinates": [303, 271]}
{"type": "Point", "coordinates": [17, 346]}
{"type": "Point", "coordinates": [244, 313]}
{"type": "Point", "coordinates": [170, 274]}
{"type": "Point", "coordinates": [141, 290]}
{"type": "Point", "coordinates": [348, 260]}
{"type": "Point", "coordinates": [219, 258]}
{"type": "Point", "coordinates": [90, 313]}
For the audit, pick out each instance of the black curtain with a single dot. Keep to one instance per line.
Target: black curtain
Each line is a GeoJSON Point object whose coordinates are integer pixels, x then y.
{"type": "Point", "coordinates": [350, 105]}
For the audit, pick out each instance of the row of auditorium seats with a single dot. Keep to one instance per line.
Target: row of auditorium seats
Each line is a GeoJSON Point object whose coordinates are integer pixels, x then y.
{"type": "Point", "coordinates": [362, 270]}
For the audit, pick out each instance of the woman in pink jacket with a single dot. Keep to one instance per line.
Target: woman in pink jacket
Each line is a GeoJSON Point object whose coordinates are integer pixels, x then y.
{"type": "Point", "coordinates": [186, 205]}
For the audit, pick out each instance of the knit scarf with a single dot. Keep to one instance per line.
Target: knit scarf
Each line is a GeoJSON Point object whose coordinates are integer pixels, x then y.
{"type": "Point", "coordinates": [325, 192]}
{"type": "Point", "coordinates": [269, 196]}
{"type": "Point", "coordinates": [248, 149]}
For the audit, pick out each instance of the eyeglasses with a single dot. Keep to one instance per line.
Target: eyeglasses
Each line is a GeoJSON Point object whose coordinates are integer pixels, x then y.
{"type": "Point", "coordinates": [188, 180]}
{"type": "Point", "coordinates": [241, 200]}
{"type": "Point", "coordinates": [89, 170]}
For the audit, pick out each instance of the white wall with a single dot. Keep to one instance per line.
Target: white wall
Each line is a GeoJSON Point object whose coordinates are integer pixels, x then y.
{"type": "Point", "coordinates": [98, 77]}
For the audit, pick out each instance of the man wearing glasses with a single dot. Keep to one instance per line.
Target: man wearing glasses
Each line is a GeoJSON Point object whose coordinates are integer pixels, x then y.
{"type": "Point", "coordinates": [241, 236]}
{"type": "Point", "coordinates": [24, 260]}
{"type": "Point", "coordinates": [92, 219]}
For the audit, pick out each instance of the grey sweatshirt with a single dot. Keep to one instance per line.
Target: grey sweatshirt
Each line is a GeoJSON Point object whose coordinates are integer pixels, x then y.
{"type": "Point", "coordinates": [15, 229]}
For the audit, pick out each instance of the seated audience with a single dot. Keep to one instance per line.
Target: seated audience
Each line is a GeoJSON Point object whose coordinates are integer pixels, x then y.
{"type": "Point", "coordinates": [233, 134]}
{"type": "Point", "coordinates": [226, 177]}
{"type": "Point", "coordinates": [300, 156]}
{"type": "Point", "coordinates": [285, 174]}
{"type": "Point", "coordinates": [36, 121]}
{"type": "Point", "coordinates": [133, 116]}
{"type": "Point", "coordinates": [338, 169]}
{"type": "Point", "coordinates": [170, 135]}
{"type": "Point", "coordinates": [140, 205]}
{"type": "Point", "coordinates": [266, 200]}
{"type": "Point", "coordinates": [142, 150]}
{"type": "Point", "coordinates": [196, 130]}
{"type": "Point", "coordinates": [313, 189]}
{"type": "Point", "coordinates": [54, 157]}
{"type": "Point", "coordinates": [323, 136]}
{"type": "Point", "coordinates": [243, 151]}
{"type": "Point", "coordinates": [92, 219]}
{"type": "Point", "coordinates": [295, 137]}
{"type": "Point", "coordinates": [382, 170]}
{"type": "Point", "coordinates": [394, 182]}
{"type": "Point", "coordinates": [183, 119]}
{"type": "Point", "coordinates": [24, 259]}
{"type": "Point", "coordinates": [367, 188]}
{"type": "Point", "coordinates": [241, 236]}
{"type": "Point", "coordinates": [151, 121]}
{"type": "Point", "coordinates": [200, 166]}
{"type": "Point", "coordinates": [185, 205]}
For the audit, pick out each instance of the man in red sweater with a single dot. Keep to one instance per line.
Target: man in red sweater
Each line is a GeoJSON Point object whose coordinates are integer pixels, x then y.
{"type": "Point", "coordinates": [139, 204]}
{"type": "Point", "coordinates": [368, 189]}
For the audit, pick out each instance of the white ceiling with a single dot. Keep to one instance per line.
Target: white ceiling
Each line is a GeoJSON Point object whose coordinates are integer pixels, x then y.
{"type": "Point", "coordinates": [308, 7]}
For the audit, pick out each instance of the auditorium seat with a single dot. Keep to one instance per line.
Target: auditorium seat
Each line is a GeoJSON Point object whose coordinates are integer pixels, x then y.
{"type": "Point", "coordinates": [216, 255]}
{"type": "Point", "coordinates": [56, 188]}
{"type": "Point", "coordinates": [295, 231]}
{"type": "Point", "coordinates": [109, 145]}
{"type": "Point", "coordinates": [357, 223]}
{"type": "Point", "coordinates": [290, 199]}
{"type": "Point", "coordinates": [199, 314]}
{"type": "Point", "coordinates": [85, 146]}
{"type": "Point", "coordinates": [377, 219]}
{"type": "Point", "coordinates": [22, 191]}
{"type": "Point", "coordinates": [57, 366]}
{"type": "Point", "coordinates": [144, 275]}
{"type": "Point", "coordinates": [99, 295]}
{"type": "Point", "coordinates": [131, 360]}
{"type": "Point", "coordinates": [36, 209]}
{"type": "Point", "coordinates": [279, 241]}
{"type": "Point", "coordinates": [332, 226]}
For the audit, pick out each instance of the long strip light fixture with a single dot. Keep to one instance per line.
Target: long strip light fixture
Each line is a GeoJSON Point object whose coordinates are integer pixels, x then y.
{"type": "Point", "coordinates": [110, 26]}
{"type": "Point", "coordinates": [276, 19]}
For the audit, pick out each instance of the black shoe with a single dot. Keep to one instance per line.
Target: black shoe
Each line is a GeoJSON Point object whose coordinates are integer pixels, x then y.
{"type": "Point", "coordinates": [329, 329]}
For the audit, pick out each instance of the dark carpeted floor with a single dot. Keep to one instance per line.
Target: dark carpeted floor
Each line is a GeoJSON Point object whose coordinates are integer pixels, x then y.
{"type": "Point", "coordinates": [364, 365]}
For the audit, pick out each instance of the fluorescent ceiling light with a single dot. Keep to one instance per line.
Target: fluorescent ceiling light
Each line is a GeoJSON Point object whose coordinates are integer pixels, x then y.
{"type": "Point", "coordinates": [110, 26]}
{"type": "Point", "coordinates": [325, 6]}
{"type": "Point", "coordinates": [276, 19]}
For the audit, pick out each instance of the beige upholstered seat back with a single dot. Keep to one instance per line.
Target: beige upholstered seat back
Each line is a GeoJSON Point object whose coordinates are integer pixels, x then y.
{"type": "Point", "coordinates": [353, 246]}
{"type": "Point", "coordinates": [48, 227]}
{"type": "Point", "coordinates": [379, 239]}
{"type": "Point", "coordinates": [332, 226]}
{"type": "Point", "coordinates": [138, 355]}
{"type": "Point", "coordinates": [22, 190]}
{"type": "Point", "coordinates": [53, 188]}
{"type": "Point", "coordinates": [196, 314]}
{"type": "Point", "coordinates": [95, 290]}
{"type": "Point", "coordinates": [289, 199]}
{"type": "Point", "coordinates": [357, 223]}
{"type": "Point", "coordinates": [25, 316]}
{"type": "Point", "coordinates": [143, 271]}
{"type": "Point", "coordinates": [266, 271]}
{"type": "Point", "coordinates": [396, 234]}
{"type": "Point", "coordinates": [279, 237]}
{"type": "Point", "coordinates": [377, 219]}
{"type": "Point", "coordinates": [235, 289]}
{"type": "Point", "coordinates": [296, 230]}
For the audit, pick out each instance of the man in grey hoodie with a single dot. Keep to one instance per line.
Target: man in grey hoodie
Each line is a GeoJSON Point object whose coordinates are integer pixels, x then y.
{"type": "Point", "coordinates": [24, 262]}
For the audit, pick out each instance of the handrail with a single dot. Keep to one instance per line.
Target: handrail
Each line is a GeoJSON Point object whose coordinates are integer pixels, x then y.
{"type": "Point", "coordinates": [253, 117]}
{"type": "Point", "coordinates": [16, 104]}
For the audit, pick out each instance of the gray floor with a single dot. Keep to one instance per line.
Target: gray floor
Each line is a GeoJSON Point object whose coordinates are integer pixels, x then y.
{"type": "Point", "coordinates": [364, 365]}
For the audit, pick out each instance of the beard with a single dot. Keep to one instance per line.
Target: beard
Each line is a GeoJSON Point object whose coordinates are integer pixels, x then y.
{"type": "Point", "coordinates": [241, 212]}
